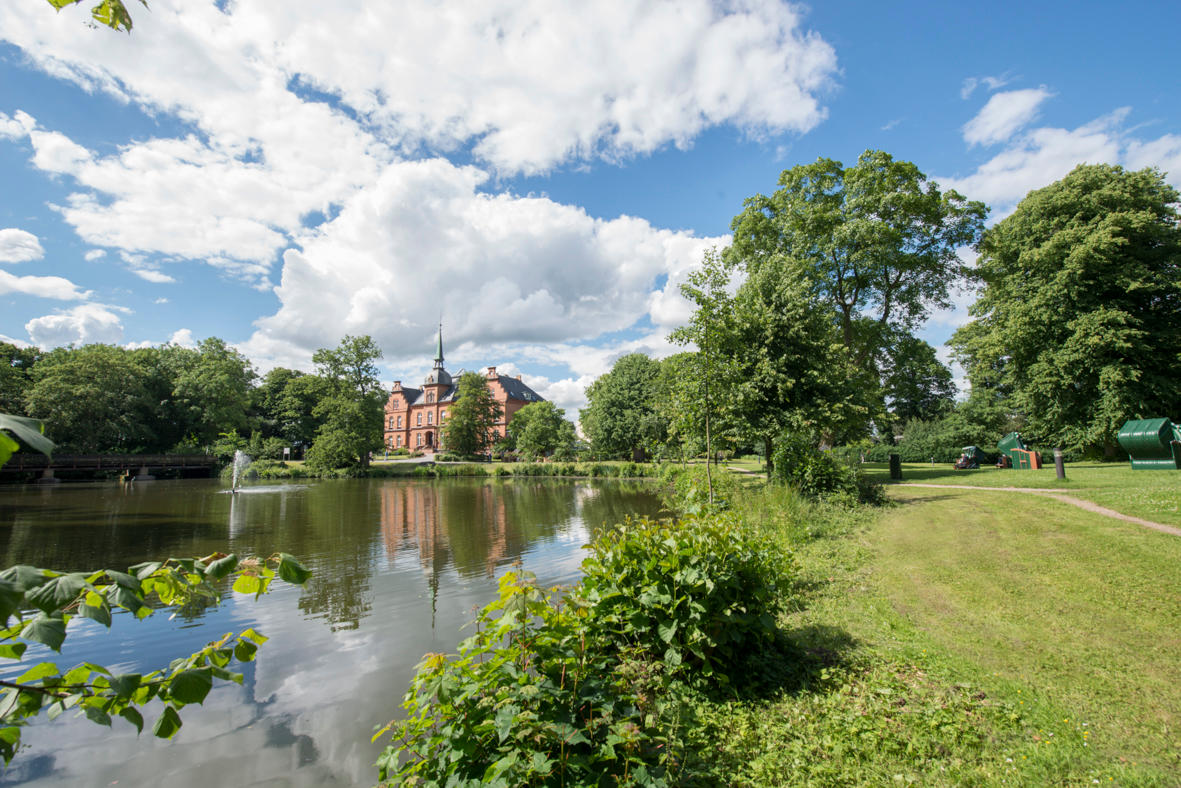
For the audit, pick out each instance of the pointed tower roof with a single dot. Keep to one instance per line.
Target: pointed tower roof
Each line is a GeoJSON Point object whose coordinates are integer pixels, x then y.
{"type": "Point", "coordinates": [439, 349]}
{"type": "Point", "coordinates": [438, 375]}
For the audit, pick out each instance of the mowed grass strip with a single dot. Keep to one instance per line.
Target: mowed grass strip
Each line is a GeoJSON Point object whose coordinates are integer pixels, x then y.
{"type": "Point", "coordinates": [1083, 610]}
{"type": "Point", "coordinates": [1151, 495]}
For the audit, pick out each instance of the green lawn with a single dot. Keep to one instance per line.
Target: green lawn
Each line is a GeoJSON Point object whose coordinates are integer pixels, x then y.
{"type": "Point", "coordinates": [967, 637]}
{"type": "Point", "coordinates": [1152, 495]}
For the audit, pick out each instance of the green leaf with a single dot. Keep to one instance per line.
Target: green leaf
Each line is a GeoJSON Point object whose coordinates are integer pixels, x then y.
{"type": "Point", "coordinates": [125, 598]}
{"type": "Point", "coordinates": [254, 636]}
{"type": "Point", "coordinates": [12, 650]}
{"type": "Point", "coordinates": [57, 593]}
{"type": "Point", "coordinates": [38, 671]}
{"type": "Point", "coordinates": [125, 684]}
{"type": "Point", "coordinates": [247, 584]}
{"type": "Point", "coordinates": [28, 430]}
{"type": "Point", "coordinates": [666, 630]}
{"type": "Point", "coordinates": [167, 724]}
{"type": "Point", "coordinates": [222, 567]}
{"type": "Point", "coordinates": [191, 686]}
{"type": "Point", "coordinates": [145, 570]}
{"type": "Point", "coordinates": [125, 580]}
{"type": "Point", "coordinates": [23, 577]}
{"type": "Point", "coordinates": [100, 613]}
{"type": "Point", "coordinates": [97, 715]}
{"type": "Point", "coordinates": [9, 741]}
{"type": "Point", "coordinates": [292, 571]}
{"type": "Point", "coordinates": [46, 630]}
{"type": "Point", "coordinates": [244, 650]}
{"type": "Point", "coordinates": [10, 599]}
{"type": "Point", "coordinates": [133, 716]}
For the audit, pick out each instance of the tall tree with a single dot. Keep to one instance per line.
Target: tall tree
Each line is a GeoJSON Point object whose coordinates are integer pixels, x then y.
{"type": "Point", "coordinates": [285, 404]}
{"type": "Point", "coordinates": [93, 399]}
{"type": "Point", "coordinates": [877, 241]}
{"type": "Point", "coordinates": [917, 384]}
{"type": "Point", "coordinates": [1078, 325]}
{"type": "Point", "coordinates": [472, 418]}
{"type": "Point", "coordinates": [16, 375]}
{"type": "Point", "coordinates": [539, 429]}
{"type": "Point", "coordinates": [353, 409]}
{"type": "Point", "coordinates": [211, 387]}
{"type": "Point", "coordinates": [621, 418]}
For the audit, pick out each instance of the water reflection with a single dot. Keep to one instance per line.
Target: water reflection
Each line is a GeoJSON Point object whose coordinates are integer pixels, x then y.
{"type": "Point", "coordinates": [399, 567]}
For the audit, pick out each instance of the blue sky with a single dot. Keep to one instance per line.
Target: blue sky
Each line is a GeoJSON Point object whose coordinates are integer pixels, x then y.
{"type": "Point", "coordinates": [540, 175]}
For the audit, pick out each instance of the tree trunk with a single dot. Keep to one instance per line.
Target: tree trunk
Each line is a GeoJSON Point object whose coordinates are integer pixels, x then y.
{"type": "Point", "coordinates": [767, 453]}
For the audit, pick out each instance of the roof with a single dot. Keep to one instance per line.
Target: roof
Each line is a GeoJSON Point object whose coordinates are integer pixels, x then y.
{"type": "Point", "coordinates": [516, 389]}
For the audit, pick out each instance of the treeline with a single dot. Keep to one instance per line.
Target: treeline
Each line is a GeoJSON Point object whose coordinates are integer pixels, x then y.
{"type": "Point", "coordinates": [206, 399]}
{"type": "Point", "coordinates": [804, 333]}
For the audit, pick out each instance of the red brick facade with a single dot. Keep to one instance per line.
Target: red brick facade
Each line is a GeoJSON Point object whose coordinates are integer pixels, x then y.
{"type": "Point", "coordinates": [413, 416]}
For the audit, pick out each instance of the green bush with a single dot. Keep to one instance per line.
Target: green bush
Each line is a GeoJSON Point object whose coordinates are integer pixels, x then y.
{"type": "Point", "coordinates": [685, 488]}
{"type": "Point", "coordinates": [820, 474]}
{"type": "Point", "coordinates": [587, 688]}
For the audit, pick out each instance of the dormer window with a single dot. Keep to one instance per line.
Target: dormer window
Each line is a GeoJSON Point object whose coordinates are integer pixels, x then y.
{"type": "Point", "coordinates": [430, 397]}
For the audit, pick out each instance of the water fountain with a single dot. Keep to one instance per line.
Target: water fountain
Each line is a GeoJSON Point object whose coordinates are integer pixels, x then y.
{"type": "Point", "coordinates": [241, 461]}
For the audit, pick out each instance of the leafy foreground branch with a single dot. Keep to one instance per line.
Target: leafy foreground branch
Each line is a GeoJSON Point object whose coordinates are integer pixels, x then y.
{"type": "Point", "coordinates": [594, 686]}
{"type": "Point", "coordinates": [43, 601]}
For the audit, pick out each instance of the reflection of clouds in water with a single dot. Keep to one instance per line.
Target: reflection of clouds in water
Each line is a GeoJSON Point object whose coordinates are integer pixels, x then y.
{"type": "Point", "coordinates": [308, 707]}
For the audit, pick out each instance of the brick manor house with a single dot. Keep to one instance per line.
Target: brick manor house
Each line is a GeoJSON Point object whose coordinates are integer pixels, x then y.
{"type": "Point", "coordinates": [414, 417]}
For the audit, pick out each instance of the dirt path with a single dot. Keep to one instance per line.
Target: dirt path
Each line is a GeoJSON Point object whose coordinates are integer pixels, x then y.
{"type": "Point", "coordinates": [1059, 496]}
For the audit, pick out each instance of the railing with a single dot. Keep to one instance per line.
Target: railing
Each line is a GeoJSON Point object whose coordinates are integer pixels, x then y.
{"type": "Point", "coordinates": [29, 461]}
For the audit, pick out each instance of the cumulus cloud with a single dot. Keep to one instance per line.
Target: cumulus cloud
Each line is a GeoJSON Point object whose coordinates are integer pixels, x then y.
{"type": "Point", "coordinates": [84, 324]}
{"type": "Point", "coordinates": [1003, 115]}
{"type": "Point", "coordinates": [18, 246]}
{"type": "Point", "coordinates": [183, 337]}
{"type": "Point", "coordinates": [500, 268]}
{"type": "Point", "coordinates": [42, 287]}
{"type": "Point", "coordinates": [95, 254]}
{"type": "Point", "coordinates": [1041, 156]}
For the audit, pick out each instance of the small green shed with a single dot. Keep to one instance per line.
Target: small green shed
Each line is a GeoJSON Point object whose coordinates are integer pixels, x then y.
{"type": "Point", "coordinates": [1009, 443]}
{"type": "Point", "coordinates": [1151, 444]}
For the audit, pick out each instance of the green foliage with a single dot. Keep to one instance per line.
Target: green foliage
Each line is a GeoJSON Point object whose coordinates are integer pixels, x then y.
{"type": "Point", "coordinates": [685, 488]}
{"type": "Point", "coordinates": [109, 13]}
{"type": "Point", "coordinates": [352, 411]}
{"type": "Point", "coordinates": [917, 385]}
{"type": "Point", "coordinates": [584, 689]}
{"type": "Point", "coordinates": [621, 418]}
{"type": "Point", "coordinates": [1078, 325]}
{"type": "Point", "coordinates": [210, 387]}
{"type": "Point", "coordinates": [30, 432]}
{"type": "Point", "coordinates": [821, 474]}
{"type": "Point", "coordinates": [43, 601]}
{"type": "Point", "coordinates": [16, 375]}
{"type": "Point", "coordinates": [877, 241]}
{"type": "Point", "coordinates": [471, 419]}
{"type": "Point", "coordinates": [540, 429]}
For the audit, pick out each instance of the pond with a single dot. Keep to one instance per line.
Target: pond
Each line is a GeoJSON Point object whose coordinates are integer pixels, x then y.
{"type": "Point", "coordinates": [400, 567]}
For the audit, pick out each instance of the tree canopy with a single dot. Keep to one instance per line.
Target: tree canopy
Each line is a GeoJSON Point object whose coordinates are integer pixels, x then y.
{"type": "Point", "coordinates": [877, 241]}
{"type": "Point", "coordinates": [621, 418]}
{"type": "Point", "coordinates": [1078, 324]}
{"type": "Point", "coordinates": [352, 411]}
{"type": "Point", "coordinates": [539, 429]}
{"type": "Point", "coordinates": [471, 419]}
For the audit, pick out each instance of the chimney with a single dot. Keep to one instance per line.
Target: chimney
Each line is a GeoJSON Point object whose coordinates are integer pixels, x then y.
{"type": "Point", "coordinates": [518, 377]}
{"type": "Point", "coordinates": [397, 385]}
{"type": "Point", "coordinates": [491, 372]}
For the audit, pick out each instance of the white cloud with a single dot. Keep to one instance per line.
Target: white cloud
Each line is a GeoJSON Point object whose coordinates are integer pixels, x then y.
{"type": "Point", "coordinates": [95, 254]}
{"type": "Point", "coordinates": [42, 287]}
{"type": "Point", "coordinates": [1041, 156]}
{"type": "Point", "coordinates": [183, 337]}
{"type": "Point", "coordinates": [502, 269]}
{"type": "Point", "coordinates": [84, 324]}
{"type": "Point", "coordinates": [14, 341]}
{"type": "Point", "coordinates": [16, 126]}
{"type": "Point", "coordinates": [18, 246]}
{"type": "Point", "coordinates": [991, 83]}
{"type": "Point", "coordinates": [1003, 115]}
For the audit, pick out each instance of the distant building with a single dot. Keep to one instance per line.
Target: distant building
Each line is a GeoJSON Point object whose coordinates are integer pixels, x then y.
{"type": "Point", "coordinates": [413, 417]}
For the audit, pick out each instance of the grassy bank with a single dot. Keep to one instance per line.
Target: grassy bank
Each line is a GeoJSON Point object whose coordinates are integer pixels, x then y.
{"type": "Point", "coordinates": [962, 637]}
{"type": "Point", "coordinates": [271, 470]}
{"type": "Point", "coordinates": [1152, 495]}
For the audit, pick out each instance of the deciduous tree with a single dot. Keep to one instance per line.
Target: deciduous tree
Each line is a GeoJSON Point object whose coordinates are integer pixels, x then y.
{"type": "Point", "coordinates": [471, 419]}
{"type": "Point", "coordinates": [1078, 325]}
{"type": "Point", "coordinates": [621, 418]}
{"type": "Point", "coordinates": [539, 429]}
{"type": "Point", "coordinates": [353, 410]}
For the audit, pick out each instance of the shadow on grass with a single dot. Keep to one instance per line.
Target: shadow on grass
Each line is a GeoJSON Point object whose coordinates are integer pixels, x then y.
{"type": "Point", "coordinates": [798, 660]}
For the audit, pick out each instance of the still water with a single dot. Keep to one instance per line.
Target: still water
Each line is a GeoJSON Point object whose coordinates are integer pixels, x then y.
{"type": "Point", "coordinates": [399, 566]}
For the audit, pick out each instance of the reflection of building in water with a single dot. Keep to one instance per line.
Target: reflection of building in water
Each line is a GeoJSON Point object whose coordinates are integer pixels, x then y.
{"type": "Point", "coordinates": [464, 526]}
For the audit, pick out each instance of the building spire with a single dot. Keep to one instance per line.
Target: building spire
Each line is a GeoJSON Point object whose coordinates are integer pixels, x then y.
{"type": "Point", "coordinates": [439, 349]}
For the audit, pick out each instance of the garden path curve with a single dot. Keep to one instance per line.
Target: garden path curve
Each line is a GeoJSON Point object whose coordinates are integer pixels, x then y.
{"type": "Point", "coordinates": [1058, 495]}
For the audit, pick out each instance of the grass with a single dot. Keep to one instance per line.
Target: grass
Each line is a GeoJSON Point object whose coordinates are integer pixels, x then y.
{"type": "Point", "coordinates": [963, 638]}
{"type": "Point", "coordinates": [1152, 495]}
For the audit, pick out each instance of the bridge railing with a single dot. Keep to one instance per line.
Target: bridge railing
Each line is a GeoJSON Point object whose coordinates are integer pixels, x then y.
{"type": "Point", "coordinates": [29, 461]}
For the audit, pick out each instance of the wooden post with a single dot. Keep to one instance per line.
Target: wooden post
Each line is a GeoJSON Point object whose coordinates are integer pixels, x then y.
{"type": "Point", "coordinates": [1059, 465]}
{"type": "Point", "coordinates": [896, 467]}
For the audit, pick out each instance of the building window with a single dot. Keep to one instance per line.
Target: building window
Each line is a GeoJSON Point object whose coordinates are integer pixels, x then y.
{"type": "Point", "coordinates": [420, 418]}
{"type": "Point", "coordinates": [399, 422]}
{"type": "Point", "coordinates": [420, 440]}
{"type": "Point", "coordinates": [430, 397]}
{"type": "Point", "coordinates": [428, 418]}
{"type": "Point", "coordinates": [399, 443]}
{"type": "Point", "coordinates": [442, 416]}
{"type": "Point", "coordinates": [391, 423]}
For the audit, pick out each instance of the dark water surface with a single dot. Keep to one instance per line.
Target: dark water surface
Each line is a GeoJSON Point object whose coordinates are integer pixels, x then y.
{"type": "Point", "coordinates": [399, 568]}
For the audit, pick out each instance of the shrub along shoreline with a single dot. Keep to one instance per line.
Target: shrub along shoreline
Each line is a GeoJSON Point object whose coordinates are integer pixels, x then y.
{"type": "Point", "coordinates": [273, 470]}
{"type": "Point", "coordinates": [745, 644]}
